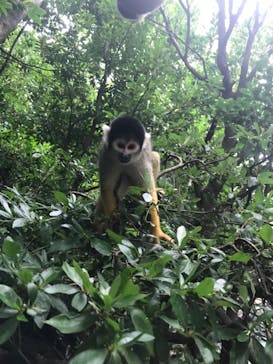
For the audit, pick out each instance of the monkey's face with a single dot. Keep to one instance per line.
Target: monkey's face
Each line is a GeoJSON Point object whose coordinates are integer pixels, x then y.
{"type": "Point", "coordinates": [126, 150]}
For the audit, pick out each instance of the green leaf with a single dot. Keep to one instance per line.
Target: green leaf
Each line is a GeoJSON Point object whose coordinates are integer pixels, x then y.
{"type": "Point", "coordinates": [5, 214]}
{"type": "Point", "coordinates": [181, 309]}
{"type": "Point", "coordinates": [5, 204]}
{"type": "Point", "coordinates": [162, 346]}
{"type": "Point", "coordinates": [226, 302]}
{"type": "Point", "coordinates": [259, 352]}
{"type": "Point", "coordinates": [123, 291]}
{"type": "Point", "coordinates": [114, 236]}
{"type": "Point", "coordinates": [108, 301]}
{"type": "Point", "coordinates": [35, 12]}
{"type": "Point", "coordinates": [11, 248]}
{"type": "Point", "coordinates": [79, 301]}
{"type": "Point", "coordinates": [130, 356]}
{"type": "Point", "coordinates": [91, 356]}
{"type": "Point", "coordinates": [58, 304]}
{"type": "Point", "coordinates": [129, 250]}
{"type": "Point", "coordinates": [61, 197]}
{"type": "Point", "coordinates": [205, 349]}
{"type": "Point", "coordinates": [87, 285]}
{"type": "Point", "coordinates": [129, 338]}
{"type": "Point", "coordinates": [25, 211]}
{"type": "Point", "coordinates": [21, 317]}
{"type": "Point", "coordinates": [72, 324]}
{"type": "Point", "coordinates": [205, 287]}
{"type": "Point", "coordinates": [25, 275]}
{"type": "Point", "coordinates": [72, 274]}
{"type": "Point", "coordinates": [156, 266]}
{"type": "Point", "coordinates": [119, 283]}
{"type": "Point", "coordinates": [7, 329]}
{"type": "Point", "coordinates": [227, 333]}
{"type": "Point", "coordinates": [243, 337]}
{"type": "Point", "coordinates": [10, 298]}
{"type": "Point", "coordinates": [32, 291]}
{"type": "Point", "coordinates": [269, 210]}
{"type": "Point", "coordinates": [42, 306]}
{"type": "Point", "coordinates": [269, 348]}
{"type": "Point", "coordinates": [266, 233]}
{"type": "Point", "coordinates": [128, 299]}
{"type": "Point", "coordinates": [48, 275]}
{"type": "Point", "coordinates": [113, 325]}
{"type": "Point", "coordinates": [20, 222]}
{"type": "Point", "coordinates": [6, 312]}
{"type": "Point", "coordinates": [240, 257]}
{"type": "Point", "coordinates": [102, 247]}
{"type": "Point", "coordinates": [243, 293]}
{"type": "Point", "coordinates": [266, 178]}
{"type": "Point", "coordinates": [141, 321]}
{"type": "Point", "coordinates": [114, 358]}
{"type": "Point", "coordinates": [239, 353]}
{"type": "Point", "coordinates": [173, 323]}
{"type": "Point", "coordinates": [61, 288]}
{"type": "Point", "coordinates": [146, 338]}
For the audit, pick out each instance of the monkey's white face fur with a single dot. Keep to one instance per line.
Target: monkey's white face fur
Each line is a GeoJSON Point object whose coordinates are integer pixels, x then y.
{"type": "Point", "coordinates": [127, 151]}
{"type": "Point", "coordinates": [126, 146]}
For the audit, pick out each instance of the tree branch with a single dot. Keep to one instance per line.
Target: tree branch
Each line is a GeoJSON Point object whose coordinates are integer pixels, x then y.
{"type": "Point", "coordinates": [183, 56]}
{"type": "Point", "coordinates": [223, 37]}
{"type": "Point", "coordinates": [6, 62]}
{"type": "Point", "coordinates": [243, 80]}
{"type": "Point", "coordinates": [186, 9]}
{"type": "Point", "coordinates": [182, 164]}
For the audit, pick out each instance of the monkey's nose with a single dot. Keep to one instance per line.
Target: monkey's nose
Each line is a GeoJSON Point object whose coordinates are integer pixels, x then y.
{"type": "Point", "coordinates": [124, 158]}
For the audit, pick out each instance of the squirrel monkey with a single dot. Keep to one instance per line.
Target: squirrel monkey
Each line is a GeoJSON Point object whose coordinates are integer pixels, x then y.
{"type": "Point", "coordinates": [126, 159]}
{"type": "Point", "coordinates": [137, 9]}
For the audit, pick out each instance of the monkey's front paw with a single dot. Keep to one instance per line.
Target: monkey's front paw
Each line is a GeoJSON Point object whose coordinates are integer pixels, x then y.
{"type": "Point", "coordinates": [101, 223]}
{"type": "Point", "coordinates": [115, 218]}
{"type": "Point", "coordinates": [100, 226]}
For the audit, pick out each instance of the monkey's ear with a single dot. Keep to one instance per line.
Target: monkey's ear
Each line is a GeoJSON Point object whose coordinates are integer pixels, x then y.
{"type": "Point", "coordinates": [106, 130]}
{"type": "Point", "coordinates": [147, 140]}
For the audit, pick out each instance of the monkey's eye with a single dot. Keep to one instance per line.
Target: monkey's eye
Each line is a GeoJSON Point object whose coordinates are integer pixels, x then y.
{"type": "Point", "coordinates": [131, 146]}
{"type": "Point", "coordinates": [121, 145]}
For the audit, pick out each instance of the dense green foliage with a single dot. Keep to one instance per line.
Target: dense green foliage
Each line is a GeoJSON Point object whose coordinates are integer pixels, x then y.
{"type": "Point", "coordinates": [82, 298]}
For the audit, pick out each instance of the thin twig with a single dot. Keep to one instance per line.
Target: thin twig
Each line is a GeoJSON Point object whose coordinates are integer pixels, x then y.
{"type": "Point", "coordinates": [82, 194]}
{"type": "Point", "coordinates": [182, 164]}
{"type": "Point", "coordinates": [6, 62]}
{"type": "Point", "coordinates": [248, 242]}
{"type": "Point", "coordinates": [19, 61]}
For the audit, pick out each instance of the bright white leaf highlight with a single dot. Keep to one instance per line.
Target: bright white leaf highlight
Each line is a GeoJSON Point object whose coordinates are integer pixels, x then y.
{"type": "Point", "coordinates": [181, 234]}
{"type": "Point", "coordinates": [147, 197]}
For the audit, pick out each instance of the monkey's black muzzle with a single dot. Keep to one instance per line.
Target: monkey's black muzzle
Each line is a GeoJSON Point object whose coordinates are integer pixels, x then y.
{"type": "Point", "coordinates": [124, 158]}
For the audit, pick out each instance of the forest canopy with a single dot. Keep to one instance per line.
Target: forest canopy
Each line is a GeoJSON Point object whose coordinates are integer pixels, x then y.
{"type": "Point", "coordinates": [201, 82]}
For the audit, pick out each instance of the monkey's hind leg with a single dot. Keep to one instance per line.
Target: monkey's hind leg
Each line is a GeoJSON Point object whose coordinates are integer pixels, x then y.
{"type": "Point", "coordinates": [156, 228]}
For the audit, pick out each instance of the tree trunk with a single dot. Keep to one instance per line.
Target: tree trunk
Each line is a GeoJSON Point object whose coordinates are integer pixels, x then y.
{"type": "Point", "coordinates": [9, 22]}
